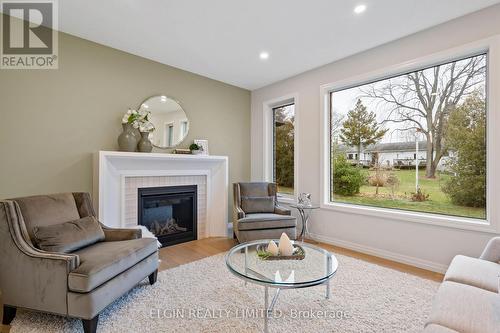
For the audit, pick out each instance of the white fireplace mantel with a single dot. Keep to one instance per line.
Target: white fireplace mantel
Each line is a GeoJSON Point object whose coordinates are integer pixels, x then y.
{"type": "Point", "coordinates": [111, 169]}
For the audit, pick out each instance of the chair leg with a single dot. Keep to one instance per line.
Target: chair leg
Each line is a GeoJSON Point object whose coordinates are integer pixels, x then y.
{"type": "Point", "coordinates": [9, 312]}
{"type": "Point", "coordinates": [90, 326]}
{"type": "Point", "coordinates": [152, 277]}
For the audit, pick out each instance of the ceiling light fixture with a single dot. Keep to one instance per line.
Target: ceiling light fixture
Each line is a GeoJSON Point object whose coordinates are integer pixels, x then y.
{"type": "Point", "coordinates": [359, 9]}
{"type": "Point", "coordinates": [264, 55]}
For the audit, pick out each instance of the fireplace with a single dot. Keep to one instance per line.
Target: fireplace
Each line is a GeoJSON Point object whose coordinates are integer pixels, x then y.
{"type": "Point", "coordinates": [169, 212]}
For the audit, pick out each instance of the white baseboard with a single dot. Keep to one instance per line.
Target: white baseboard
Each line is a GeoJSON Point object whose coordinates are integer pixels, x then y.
{"type": "Point", "coordinates": [412, 261]}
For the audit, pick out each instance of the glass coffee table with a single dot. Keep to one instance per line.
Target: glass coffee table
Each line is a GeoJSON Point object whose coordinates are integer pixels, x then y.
{"type": "Point", "coordinates": [317, 268]}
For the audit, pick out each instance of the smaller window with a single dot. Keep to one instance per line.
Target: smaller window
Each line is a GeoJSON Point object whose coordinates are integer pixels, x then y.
{"type": "Point", "coordinates": [283, 148]}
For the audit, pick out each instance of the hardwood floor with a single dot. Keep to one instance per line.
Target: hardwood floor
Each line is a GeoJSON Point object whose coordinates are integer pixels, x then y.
{"type": "Point", "coordinates": [191, 251]}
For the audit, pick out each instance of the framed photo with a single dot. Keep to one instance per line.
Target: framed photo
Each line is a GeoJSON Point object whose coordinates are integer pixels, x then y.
{"type": "Point", "coordinates": [203, 144]}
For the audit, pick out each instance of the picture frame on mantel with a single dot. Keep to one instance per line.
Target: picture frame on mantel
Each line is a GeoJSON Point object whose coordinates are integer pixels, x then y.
{"type": "Point", "coordinates": [204, 144]}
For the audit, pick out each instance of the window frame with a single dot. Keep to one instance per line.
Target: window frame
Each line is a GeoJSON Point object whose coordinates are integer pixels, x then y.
{"type": "Point", "coordinates": [268, 143]}
{"type": "Point", "coordinates": [285, 195]}
{"type": "Point", "coordinates": [489, 46]}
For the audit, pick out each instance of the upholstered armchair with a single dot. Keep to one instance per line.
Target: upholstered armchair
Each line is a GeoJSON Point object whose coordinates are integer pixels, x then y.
{"type": "Point", "coordinates": [256, 214]}
{"type": "Point", "coordinates": [78, 281]}
{"type": "Point", "coordinates": [468, 300]}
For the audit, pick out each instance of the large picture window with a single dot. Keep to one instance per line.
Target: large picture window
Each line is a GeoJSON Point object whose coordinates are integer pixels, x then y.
{"type": "Point", "coordinates": [283, 148]}
{"type": "Point", "coordinates": [414, 142]}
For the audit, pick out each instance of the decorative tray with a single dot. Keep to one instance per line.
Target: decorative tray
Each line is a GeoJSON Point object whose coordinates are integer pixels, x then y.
{"type": "Point", "coordinates": [298, 253]}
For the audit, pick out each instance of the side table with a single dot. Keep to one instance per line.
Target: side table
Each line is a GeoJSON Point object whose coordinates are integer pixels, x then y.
{"type": "Point", "coordinates": [305, 212]}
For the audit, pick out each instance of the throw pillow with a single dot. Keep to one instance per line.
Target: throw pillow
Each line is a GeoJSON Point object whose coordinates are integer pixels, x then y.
{"type": "Point", "coordinates": [257, 204]}
{"type": "Point", "coordinates": [69, 236]}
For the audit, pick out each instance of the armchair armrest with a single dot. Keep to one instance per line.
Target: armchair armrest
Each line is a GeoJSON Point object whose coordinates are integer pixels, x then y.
{"type": "Point", "coordinates": [71, 260]}
{"type": "Point", "coordinates": [25, 269]}
{"type": "Point", "coordinates": [238, 213]}
{"type": "Point", "coordinates": [492, 250]}
{"type": "Point", "coordinates": [282, 210]}
{"type": "Point", "coordinates": [117, 234]}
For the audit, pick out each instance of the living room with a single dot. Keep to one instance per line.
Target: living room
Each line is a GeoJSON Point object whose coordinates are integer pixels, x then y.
{"type": "Point", "coordinates": [188, 166]}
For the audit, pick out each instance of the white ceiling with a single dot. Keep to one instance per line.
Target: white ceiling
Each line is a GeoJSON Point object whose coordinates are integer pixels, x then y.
{"type": "Point", "coordinates": [222, 39]}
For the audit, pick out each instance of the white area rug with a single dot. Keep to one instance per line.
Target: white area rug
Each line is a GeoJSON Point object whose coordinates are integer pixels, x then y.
{"type": "Point", "coordinates": [204, 296]}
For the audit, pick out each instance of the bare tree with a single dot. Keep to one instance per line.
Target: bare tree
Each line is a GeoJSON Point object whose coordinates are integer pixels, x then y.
{"type": "Point", "coordinates": [336, 121]}
{"type": "Point", "coordinates": [423, 100]}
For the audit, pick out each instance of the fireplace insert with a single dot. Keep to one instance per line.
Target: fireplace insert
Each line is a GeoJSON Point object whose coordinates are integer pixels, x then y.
{"type": "Point", "coordinates": [169, 212]}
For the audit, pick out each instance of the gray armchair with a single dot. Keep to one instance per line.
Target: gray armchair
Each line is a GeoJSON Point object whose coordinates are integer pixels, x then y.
{"type": "Point", "coordinates": [256, 214]}
{"type": "Point", "coordinates": [79, 284]}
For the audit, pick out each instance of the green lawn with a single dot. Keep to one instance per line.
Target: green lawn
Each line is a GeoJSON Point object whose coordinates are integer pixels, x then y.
{"type": "Point", "coordinates": [438, 202]}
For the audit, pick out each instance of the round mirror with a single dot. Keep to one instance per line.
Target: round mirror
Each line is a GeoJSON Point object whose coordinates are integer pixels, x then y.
{"type": "Point", "coordinates": [169, 119]}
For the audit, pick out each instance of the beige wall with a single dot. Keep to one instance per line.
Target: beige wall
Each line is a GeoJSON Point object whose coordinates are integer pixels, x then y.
{"type": "Point", "coordinates": [51, 121]}
{"type": "Point", "coordinates": [424, 245]}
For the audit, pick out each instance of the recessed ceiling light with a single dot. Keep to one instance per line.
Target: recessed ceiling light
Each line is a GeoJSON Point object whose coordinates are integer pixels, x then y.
{"type": "Point", "coordinates": [359, 9]}
{"type": "Point", "coordinates": [264, 55]}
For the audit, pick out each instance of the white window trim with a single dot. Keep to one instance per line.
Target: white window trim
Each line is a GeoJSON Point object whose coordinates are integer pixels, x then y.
{"type": "Point", "coordinates": [267, 149]}
{"type": "Point", "coordinates": [492, 224]}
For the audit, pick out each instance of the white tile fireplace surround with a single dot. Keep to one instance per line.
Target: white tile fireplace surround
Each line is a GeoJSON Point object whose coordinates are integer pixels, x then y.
{"type": "Point", "coordinates": [118, 176]}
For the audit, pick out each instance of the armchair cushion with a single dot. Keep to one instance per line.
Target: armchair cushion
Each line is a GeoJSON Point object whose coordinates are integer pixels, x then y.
{"type": "Point", "coordinates": [254, 189]}
{"type": "Point", "coordinates": [474, 272]}
{"type": "Point", "coordinates": [42, 210]}
{"type": "Point", "coordinates": [103, 261]}
{"type": "Point", "coordinates": [266, 221]}
{"type": "Point", "coordinates": [118, 234]}
{"type": "Point", "coordinates": [69, 236]}
{"type": "Point", "coordinates": [252, 205]}
{"type": "Point", "coordinates": [492, 250]}
{"type": "Point", "coordinates": [465, 308]}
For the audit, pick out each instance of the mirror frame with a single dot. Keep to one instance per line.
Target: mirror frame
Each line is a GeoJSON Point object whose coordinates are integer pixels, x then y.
{"type": "Point", "coordinates": [179, 103]}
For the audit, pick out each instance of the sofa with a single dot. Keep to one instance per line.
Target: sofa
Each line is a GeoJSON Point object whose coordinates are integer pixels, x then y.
{"type": "Point", "coordinates": [92, 265]}
{"type": "Point", "coordinates": [468, 300]}
{"type": "Point", "coordinates": [257, 215]}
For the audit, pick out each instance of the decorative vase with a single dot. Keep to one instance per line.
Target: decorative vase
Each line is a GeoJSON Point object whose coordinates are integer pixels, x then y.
{"type": "Point", "coordinates": [304, 199]}
{"type": "Point", "coordinates": [127, 141]}
{"type": "Point", "coordinates": [144, 145]}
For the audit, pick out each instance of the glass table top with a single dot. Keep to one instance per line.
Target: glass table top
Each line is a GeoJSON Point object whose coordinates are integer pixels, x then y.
{"type": "Point", "coordinates": [317, 266]}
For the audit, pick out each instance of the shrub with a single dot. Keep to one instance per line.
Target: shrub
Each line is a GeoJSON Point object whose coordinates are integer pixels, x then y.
{"type": "Point", "coordinates": [419, 196]}
{"type": "Point", "coordinates": [467, 190]}
{"type": "Point", "coordinates": [466, 137]}
{"type": "Point", "coordinates": [347, 179]}
{"type": "Point", "coordinates": [393, 182]}
{"type": "Point", "coordinates": [378, 178]}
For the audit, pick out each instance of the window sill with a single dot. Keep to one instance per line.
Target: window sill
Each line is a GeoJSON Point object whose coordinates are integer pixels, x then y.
{"type": "Point", "coordinates": [286, 199]}
{"type": "Point", "coordinates": [415, 217]}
